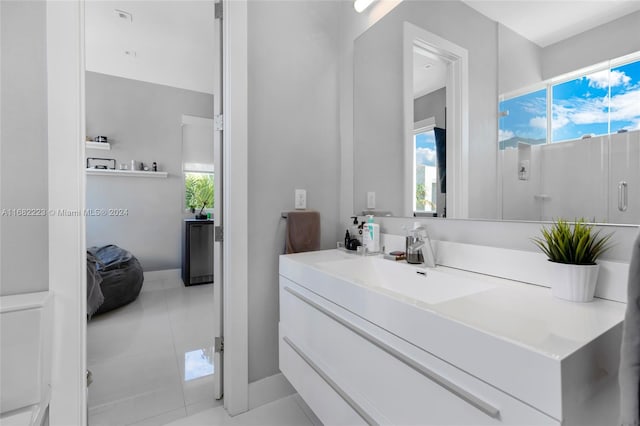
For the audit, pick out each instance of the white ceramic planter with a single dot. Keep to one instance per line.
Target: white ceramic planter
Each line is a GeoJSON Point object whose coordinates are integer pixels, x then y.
{"type": "Point", "coordinates": [576, 283]}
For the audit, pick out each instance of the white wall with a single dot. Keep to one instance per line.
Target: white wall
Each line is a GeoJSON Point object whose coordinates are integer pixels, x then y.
{"type": "Point", "coordinates": [519, 62]}
{"type": "Point", "coordinates": [143, 122]}
{"type": "Point", "coordinates": [24, 263]}
{"type": "Point", "coordinates": [523, 63]}
{"type": "Point", "coordinates": [608, 41]}
{"type": "Point", "coordinates": [431, 105]}
{"type": "Point", "coordinates": [293, 143]}
{"type": "Point", "coordinates": [352, 24]}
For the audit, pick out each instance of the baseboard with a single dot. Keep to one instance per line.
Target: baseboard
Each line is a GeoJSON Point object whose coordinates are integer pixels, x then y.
{"type": "Point", "coordinates": [269, 389]}
{"type": "Point", "coordinates": [163, 274]}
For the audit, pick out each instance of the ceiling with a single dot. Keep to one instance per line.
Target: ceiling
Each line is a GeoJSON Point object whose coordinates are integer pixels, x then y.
{"type": "Point", "coordinates": [429, 72]}
{"type": "Point", "coordinates": [168, 42]}
{"type": "Point", "coordinates": [546, 22]}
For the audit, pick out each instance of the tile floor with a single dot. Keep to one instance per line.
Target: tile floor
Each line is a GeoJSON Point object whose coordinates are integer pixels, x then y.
{"type": "Point", "coordinates": [148, 358]}
{"type": "Point", "coordinates": [288, 411]}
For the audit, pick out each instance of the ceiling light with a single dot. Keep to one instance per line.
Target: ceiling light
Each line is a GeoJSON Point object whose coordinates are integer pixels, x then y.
{"type": "Point", "coordinates": [361, 5]}
{"type": "Point", "coordinates": [123, 14]}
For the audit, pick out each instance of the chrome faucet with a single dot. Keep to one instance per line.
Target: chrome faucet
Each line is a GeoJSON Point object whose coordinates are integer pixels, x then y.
{"type": "Point", "coordinates": [421, 241]}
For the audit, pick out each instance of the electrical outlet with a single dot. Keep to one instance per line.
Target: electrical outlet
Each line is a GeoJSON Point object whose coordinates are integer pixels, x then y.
{"type": "Point", "coordinates": [301, 199]}
{"type": "Point", "coordinates": [371, 200]}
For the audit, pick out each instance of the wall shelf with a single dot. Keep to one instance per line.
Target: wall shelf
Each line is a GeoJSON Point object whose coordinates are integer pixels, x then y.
{"type": "Point", "coordinates": [126, 173]}
{"type": "Point", "coordinates": [106, 146]}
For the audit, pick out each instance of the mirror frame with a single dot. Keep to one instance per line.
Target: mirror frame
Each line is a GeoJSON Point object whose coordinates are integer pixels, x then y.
{"type": "Point", "coordinates": [457, 117]}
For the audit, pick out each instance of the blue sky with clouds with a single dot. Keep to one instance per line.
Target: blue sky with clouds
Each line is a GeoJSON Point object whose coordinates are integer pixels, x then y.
{"type": "Point", "coordinates": [426, 148]}
{"type": "Point", "coordinates": [579, 107]}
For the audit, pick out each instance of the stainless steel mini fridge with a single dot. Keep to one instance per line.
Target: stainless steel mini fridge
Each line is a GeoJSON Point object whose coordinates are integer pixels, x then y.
{"type": "Point", "coordinates": [197, 252]}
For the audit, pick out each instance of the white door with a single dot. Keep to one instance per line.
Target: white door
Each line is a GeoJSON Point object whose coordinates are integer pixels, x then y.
{"type": "Point", "coordinates": [217, 212]}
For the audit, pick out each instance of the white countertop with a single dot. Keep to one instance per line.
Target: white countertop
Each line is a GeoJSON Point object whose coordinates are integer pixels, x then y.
{"type": "Point", "coordinates": [521, 313]}
{"type": "Point", "coordinates": [552, 353]}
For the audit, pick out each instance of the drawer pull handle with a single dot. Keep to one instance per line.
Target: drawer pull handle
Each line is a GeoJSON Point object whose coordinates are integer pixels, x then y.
{"type": "Point", "coordinates": [480, 404]}
{"type": "Point", "coordinates": [354, 405]}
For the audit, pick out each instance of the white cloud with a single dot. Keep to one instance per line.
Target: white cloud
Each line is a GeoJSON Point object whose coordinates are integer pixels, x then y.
{"type": "Point", "coordinates": [561, 119]}
{"type": "Point", "coordinates": [590, 111]}
{"type": "Point", "coordinates": [538, 122]}
{"type": "Point", "coordinates": [626, 106]}
{"type": "Point", "coordinates": [503, 135]}
{"type": "Point", "coordinates": [426, 156]}
{"type": "Point", "coordinates": [604, 79]}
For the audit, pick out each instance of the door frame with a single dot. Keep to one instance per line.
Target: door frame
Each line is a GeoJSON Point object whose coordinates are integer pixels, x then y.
{"type": "Point", "coordinates": [457, 117]}
{"type": "Point", "coordinates": [66, 179]}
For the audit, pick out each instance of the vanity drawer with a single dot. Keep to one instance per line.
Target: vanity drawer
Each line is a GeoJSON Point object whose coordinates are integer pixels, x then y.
{"type": "Point", "coordinates": [393, 381]}
{"type": "Point", "coordinates": [314, 386]}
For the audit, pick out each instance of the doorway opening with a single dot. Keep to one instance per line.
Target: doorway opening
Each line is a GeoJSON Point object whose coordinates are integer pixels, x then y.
{"type": "Point", "coordinates": [153, 90]}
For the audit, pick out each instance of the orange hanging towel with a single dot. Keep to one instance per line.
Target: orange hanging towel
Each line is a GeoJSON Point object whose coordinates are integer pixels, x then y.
{"type": "Point", "coordinates": [303, 231]}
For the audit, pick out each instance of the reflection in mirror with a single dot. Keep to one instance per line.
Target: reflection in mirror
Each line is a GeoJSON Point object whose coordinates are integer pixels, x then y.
{"type": "Point", "coordinates": [429, 106]}
{"type": "Point", "coordinates": [413, 89]}
{"type": "Point", "coordinates": [569, 133]}
{"type": "Point", "coordinates": [539, 167]}
{"type": "Point", "coordinates": [433, 64]}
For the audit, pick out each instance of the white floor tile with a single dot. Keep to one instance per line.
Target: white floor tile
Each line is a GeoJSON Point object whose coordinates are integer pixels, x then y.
{"type": "Point", "coordinates": [136, 409]}
{"type": "Point", "coordinates": [130, 376]}
{"type": "Point", "coordinates": [137, 355]}
{"type": "Point", "coordinates": [283, 412]}
{"type": "Point", "coordinates": [203, 405]}
{"type": "Point", "coordinates": [163, 419]}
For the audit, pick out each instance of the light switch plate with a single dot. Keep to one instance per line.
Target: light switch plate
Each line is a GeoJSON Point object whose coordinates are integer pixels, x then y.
{"type": "Point", "coordinates": [371, 200]}
{"type": "Point", "coordinates": [301, 199]}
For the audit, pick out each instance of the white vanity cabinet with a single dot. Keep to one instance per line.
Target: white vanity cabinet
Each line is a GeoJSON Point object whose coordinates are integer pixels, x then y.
{"type": "Point", "coordinates": [356, 359]}
{"type": "Point", "coordinates": [352, 372]}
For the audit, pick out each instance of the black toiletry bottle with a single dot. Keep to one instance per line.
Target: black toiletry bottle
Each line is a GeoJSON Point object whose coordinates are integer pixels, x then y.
{"type": "Point", "coordinates": [347, 238]}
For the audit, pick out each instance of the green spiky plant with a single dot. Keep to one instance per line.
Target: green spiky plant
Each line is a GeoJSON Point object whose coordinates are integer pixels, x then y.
{"type": "Point", "coordinates": [576, 245]}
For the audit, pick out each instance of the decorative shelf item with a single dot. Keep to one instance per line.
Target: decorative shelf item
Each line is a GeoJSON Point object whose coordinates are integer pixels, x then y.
{"type": "Point", "coordinates": [98, 145]}
{"type": "Point", "coordinates": [127, 173]}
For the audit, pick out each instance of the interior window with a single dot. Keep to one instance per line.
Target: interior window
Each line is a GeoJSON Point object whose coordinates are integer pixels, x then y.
{"type": "Point", "coordinates": [581, 107]}
{"type": "Point", "coordinates": [426, 166]}
{"type": "Point", "coordinates": [593, 104]}
{"type": "Point", "coordinates": [523, 119]}
{"type": "Point", "coordinates": [624, 108]}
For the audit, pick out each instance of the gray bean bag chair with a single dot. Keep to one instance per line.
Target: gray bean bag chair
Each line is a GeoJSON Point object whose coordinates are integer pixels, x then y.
{"type": "Point", "coordinates": [114, 279]}
{"type": "Point", "coordinates": [629, 374]}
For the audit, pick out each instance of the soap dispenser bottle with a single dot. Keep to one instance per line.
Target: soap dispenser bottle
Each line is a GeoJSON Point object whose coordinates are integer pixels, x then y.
{"type": "Point", "coordinates": [371, 236]}
{"type": "Point", "coordinates": [353, 229]}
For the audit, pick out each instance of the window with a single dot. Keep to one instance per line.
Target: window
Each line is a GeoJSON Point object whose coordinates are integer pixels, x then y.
{"type": "Point", "coordinates": [425, 187]}
{"type": "Point", "coordinates": [523, 119]}
{"type": "Point", "coordinates": [595, 103]}
{"type": "Point", "coordinates": [580, 107]}
{"type": "Point", "coordinates": [199, 190]}
{"type": "Point", "coordinates": [624, 108]}
{"type": "Point", "coordinates": [197, 163]}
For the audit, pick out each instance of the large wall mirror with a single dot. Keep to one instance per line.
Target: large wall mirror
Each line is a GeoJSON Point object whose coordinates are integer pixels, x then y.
{"type": "Point", "coordinates": [502, 153]}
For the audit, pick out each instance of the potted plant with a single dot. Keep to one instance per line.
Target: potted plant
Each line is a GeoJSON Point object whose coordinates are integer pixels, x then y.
{"type": "Point", "coordinates": [573, 250]}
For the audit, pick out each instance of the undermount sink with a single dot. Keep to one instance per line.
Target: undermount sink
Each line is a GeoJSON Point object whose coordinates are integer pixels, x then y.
{"type": "Point", "coordinates": [426, 285]}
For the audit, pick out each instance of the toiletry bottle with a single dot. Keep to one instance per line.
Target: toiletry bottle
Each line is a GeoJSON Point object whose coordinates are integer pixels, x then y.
{"type": "Point", "coordinates": [371, 236]}
{"type": "Point", "coordinates": [353, 229]}
{"type": "Point", "coordinates": [347, 238]}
